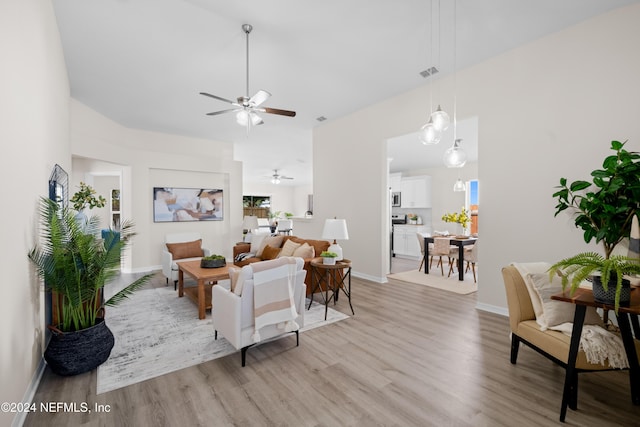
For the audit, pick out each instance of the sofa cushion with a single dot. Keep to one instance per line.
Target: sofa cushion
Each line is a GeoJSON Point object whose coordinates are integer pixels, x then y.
{"type": "Point", "coordinates": [304, 251]}
{"type": "Point", "coordinates": [256, 243]}
{"type": "Point", "coordinates": [270, 252]}
{"type": "Point", "coordinates": [186, 249]}
{"type": "Point", "coordinates": [318, 245]}
{"type": "Point", "coordinates": [289, 248]}
{"type": "Point", "coordinates": [273, 241]}
{"type": "Point", "coordinates": [557, 312]}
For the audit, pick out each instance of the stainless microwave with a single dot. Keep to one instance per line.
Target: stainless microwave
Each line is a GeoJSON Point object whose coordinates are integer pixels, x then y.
{"type": "Point", "coordinates": [395, 199]}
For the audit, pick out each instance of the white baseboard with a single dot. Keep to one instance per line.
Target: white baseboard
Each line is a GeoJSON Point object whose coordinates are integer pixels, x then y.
{"type": "Point", "coordinates": [502, 311]}
{"type": "Point", "coordinates": [141, 269]}
{"type": "Point", "coordinates": [382, 279]}
{"type": "Point", "coordinates": [29, 394]}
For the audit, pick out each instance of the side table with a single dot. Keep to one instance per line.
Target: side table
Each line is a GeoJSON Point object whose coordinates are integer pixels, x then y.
{"type": "Point", "coordinates": [333, 277]}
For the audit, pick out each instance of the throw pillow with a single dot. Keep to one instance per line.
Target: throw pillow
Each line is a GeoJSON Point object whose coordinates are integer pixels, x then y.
{"type": "Point", "coordinates": [256, 242]}
{"type": "Point", "coordinates": [270, 252]}
{"type": "Point", "coordinates": [532, 267]}
{"type": "Point", "coordinates": [305, 251]}
{"type": "Point", "coordinates": [289, 248]}
{"type": "Point", "coordinates": [273, 241]}
{"type": "Point", "coordinates": [186, 249]}
{"type": "Point", "coordinates": [557, 312]}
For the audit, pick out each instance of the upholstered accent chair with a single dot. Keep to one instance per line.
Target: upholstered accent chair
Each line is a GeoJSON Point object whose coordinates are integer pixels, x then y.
{"type": "Point", "coordinates": [441, 248]}
{"type": "Point", "coordinates": [180, 247]}
{"type": "Point", "coordinates": [234, 315]}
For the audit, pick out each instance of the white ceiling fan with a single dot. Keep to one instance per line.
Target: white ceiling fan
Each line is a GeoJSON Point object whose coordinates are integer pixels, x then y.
{"type": "Point", "coordinates": [276, 177]}
{"type": "Point", "coordinates": [247, 108]}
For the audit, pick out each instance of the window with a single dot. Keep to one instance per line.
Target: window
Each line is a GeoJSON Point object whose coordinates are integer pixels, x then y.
{"type": "Point", "coordinates": [259, 206]}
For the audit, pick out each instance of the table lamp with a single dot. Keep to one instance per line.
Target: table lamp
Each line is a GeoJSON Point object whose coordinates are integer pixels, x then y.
{"type": "Point", "coordinates": [250, 223]}
{"type": "Point", "coordinates": [335, 229]}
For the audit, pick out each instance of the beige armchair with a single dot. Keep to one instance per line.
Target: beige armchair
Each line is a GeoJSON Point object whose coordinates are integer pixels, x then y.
{"type": "Point", "coordinates": [183, 247]}
{"type": "Point", "coordinates": [234, 313]}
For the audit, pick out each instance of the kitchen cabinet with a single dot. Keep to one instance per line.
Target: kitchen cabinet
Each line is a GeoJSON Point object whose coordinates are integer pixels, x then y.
{"type": "Point", "coordinates": [405, 240]}
{"type": "Point", "coordinates": [395, 182]}
{"type": "Point", "coordinates": [416, 192]}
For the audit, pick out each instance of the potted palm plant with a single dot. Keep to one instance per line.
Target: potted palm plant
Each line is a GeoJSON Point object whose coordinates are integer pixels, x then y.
{"type": "Point", "coordinates": [76, 265]}
{"type": "Point", "coordinates": [604, 210]}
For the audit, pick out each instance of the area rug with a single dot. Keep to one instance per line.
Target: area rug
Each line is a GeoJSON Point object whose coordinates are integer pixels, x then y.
{"type": "Point", "coordinates": [156, 333]}
{"type": "Point", "coordinates": [451, 284]}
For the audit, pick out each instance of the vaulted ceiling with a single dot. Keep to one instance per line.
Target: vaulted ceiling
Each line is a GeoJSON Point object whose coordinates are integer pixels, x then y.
{"type": "Point", "coordinates": [143, 63]}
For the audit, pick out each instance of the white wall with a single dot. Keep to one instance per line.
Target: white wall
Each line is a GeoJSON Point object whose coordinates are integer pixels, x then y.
{"type": "Point", "coordinates": [34, 135]}
{"type": "Point", "coordinates": [546, 110]}
{"type": "Point", "coordinates": [161, 160]}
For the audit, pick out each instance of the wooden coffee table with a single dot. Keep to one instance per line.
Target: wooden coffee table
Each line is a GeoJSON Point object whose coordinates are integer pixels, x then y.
{"type": "Point", "coordinates": [201, 294]}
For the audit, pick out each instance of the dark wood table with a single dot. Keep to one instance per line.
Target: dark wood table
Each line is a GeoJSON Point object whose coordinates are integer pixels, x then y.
{"type": "Point", "coordinates": [201, 294]}
{"type": "Point", "coordinates": [626, 316]}
{"type": "Point", "coordinates": [331, 277]}
{"type": "Point", "coordinates": [459, 242]}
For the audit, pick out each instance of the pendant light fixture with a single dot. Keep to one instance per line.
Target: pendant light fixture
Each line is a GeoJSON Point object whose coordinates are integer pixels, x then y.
{"type": "Point", "coordinates": [428, 134]}
{"type": "Point", "coordinates": [455, 156]}
{"type": "Point", "coordinates": [459, 186]}
{"type": "Point", "coordinates": [440, 118]}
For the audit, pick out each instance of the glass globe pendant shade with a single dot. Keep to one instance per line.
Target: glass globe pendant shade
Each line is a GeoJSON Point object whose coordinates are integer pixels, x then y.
{"type": "Point", "coordinates": [440, 120]}
{"type": "Point", "coordinates": [455, 157]}
{"type": "Point", "coordinates": [459, 186]}
{"type": "Point", "coordinates": [429, 135]}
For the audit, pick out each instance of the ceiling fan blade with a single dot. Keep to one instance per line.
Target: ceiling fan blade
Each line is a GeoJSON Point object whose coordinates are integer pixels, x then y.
{"type": "Point", "coordinates": [218, 98]}
{"type": "Point", "coordinates": [259, 98]}
{"type": "Point", "coordinates": [215, 113]}
{"type": "Point", "coordinates": [279, 112]}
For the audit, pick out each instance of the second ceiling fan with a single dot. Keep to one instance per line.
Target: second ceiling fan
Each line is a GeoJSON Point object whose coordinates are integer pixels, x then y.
{"type": "Point", "coordinates": [247, 108]}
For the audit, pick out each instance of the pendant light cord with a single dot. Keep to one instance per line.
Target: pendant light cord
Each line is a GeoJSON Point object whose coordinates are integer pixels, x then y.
{"type": "Point", "coordinates": [455, 72]}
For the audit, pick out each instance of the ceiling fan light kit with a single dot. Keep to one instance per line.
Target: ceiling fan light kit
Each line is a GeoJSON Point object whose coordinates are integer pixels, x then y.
{"type": "Point", "coordinates": [276, 177]}
{"type": "Point", "coordinates": [247, 108]}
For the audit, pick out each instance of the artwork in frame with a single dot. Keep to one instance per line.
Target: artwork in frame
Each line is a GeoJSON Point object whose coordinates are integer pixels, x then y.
{"type": "Point", "coordinates": [171, 204]}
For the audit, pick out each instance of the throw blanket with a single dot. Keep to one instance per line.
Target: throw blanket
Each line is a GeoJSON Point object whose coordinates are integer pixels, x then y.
{"type": "Point", "coordinates": [599, 345]}
{"type": "Point", "coordinates": [273, 299]}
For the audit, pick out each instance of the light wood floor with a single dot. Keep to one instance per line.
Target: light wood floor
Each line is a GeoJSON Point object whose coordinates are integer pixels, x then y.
{"type": "Point", "coordinates": [411, 356]}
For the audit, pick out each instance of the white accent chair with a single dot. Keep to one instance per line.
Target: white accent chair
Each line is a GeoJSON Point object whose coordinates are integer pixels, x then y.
{"type": "Point", "coordinates": [169, 266]}
{"type": "Point", "coordinates": [285, 226]}
{"type": "Point", "coordinates": [233, 314]}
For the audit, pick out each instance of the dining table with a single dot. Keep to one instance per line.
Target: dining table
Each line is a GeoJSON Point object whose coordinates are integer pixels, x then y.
{"type": "Point", "coordinates": [459, 241]}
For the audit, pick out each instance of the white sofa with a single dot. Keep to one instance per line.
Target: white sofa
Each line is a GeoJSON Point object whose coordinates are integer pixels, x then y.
{"type": "Point", "coordinates": [169, 266]}
{"type": "Point", "coordinates": [233, 309]}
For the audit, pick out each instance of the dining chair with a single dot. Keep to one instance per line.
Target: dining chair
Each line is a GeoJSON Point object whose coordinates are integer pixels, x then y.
{"type": "Point", "coordinates": [441, 247]}
{"type": "Point", "coordinates": [421, 237]}
{"type": "Point", "coordinates": [470, 258]}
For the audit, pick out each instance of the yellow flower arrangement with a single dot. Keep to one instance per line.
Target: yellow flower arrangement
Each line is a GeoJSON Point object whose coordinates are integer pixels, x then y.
{"type": "Point", "coordinates": [461, 218]}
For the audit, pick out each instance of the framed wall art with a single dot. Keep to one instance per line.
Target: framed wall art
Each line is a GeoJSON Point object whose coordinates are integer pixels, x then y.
{"type": "Point", "coordinates": [172, 204]}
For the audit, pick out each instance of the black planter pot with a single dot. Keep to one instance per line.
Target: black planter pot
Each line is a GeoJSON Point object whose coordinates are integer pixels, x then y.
{"type": "Point", "coordinates": [72, 353]}
{"type": "Point", "coordinates": [609, 296]}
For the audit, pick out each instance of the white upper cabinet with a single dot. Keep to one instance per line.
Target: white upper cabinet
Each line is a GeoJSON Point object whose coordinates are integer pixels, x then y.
{"type": "Point", "coordinates": [416, 192]}
{"type": "Point", "coordinates": [395, 182]}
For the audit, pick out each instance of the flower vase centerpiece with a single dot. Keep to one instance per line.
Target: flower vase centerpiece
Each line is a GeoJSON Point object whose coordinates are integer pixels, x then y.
{"type": "Point", "coordinates": [461, 218]}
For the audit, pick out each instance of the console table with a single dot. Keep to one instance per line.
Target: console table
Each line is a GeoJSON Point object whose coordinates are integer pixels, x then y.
{"type": "Point", "coordinates": [583, 298]}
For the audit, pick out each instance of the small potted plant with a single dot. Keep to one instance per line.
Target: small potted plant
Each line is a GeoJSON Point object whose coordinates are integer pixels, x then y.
{"type": "Point", "coordinates": [328, 258]}
{"type": "Point", "coordinates": [86, 196]}
{"type": "Point", "coordinates": [604, 210]}
{"type": "Point", "coordinates": [213, 261]}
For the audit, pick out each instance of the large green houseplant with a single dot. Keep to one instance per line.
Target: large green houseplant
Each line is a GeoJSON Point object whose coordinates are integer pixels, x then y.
{"type": "Point", "coordinates": [76, 265]}
{"type": "Point", "coordinates": [604, 210]}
